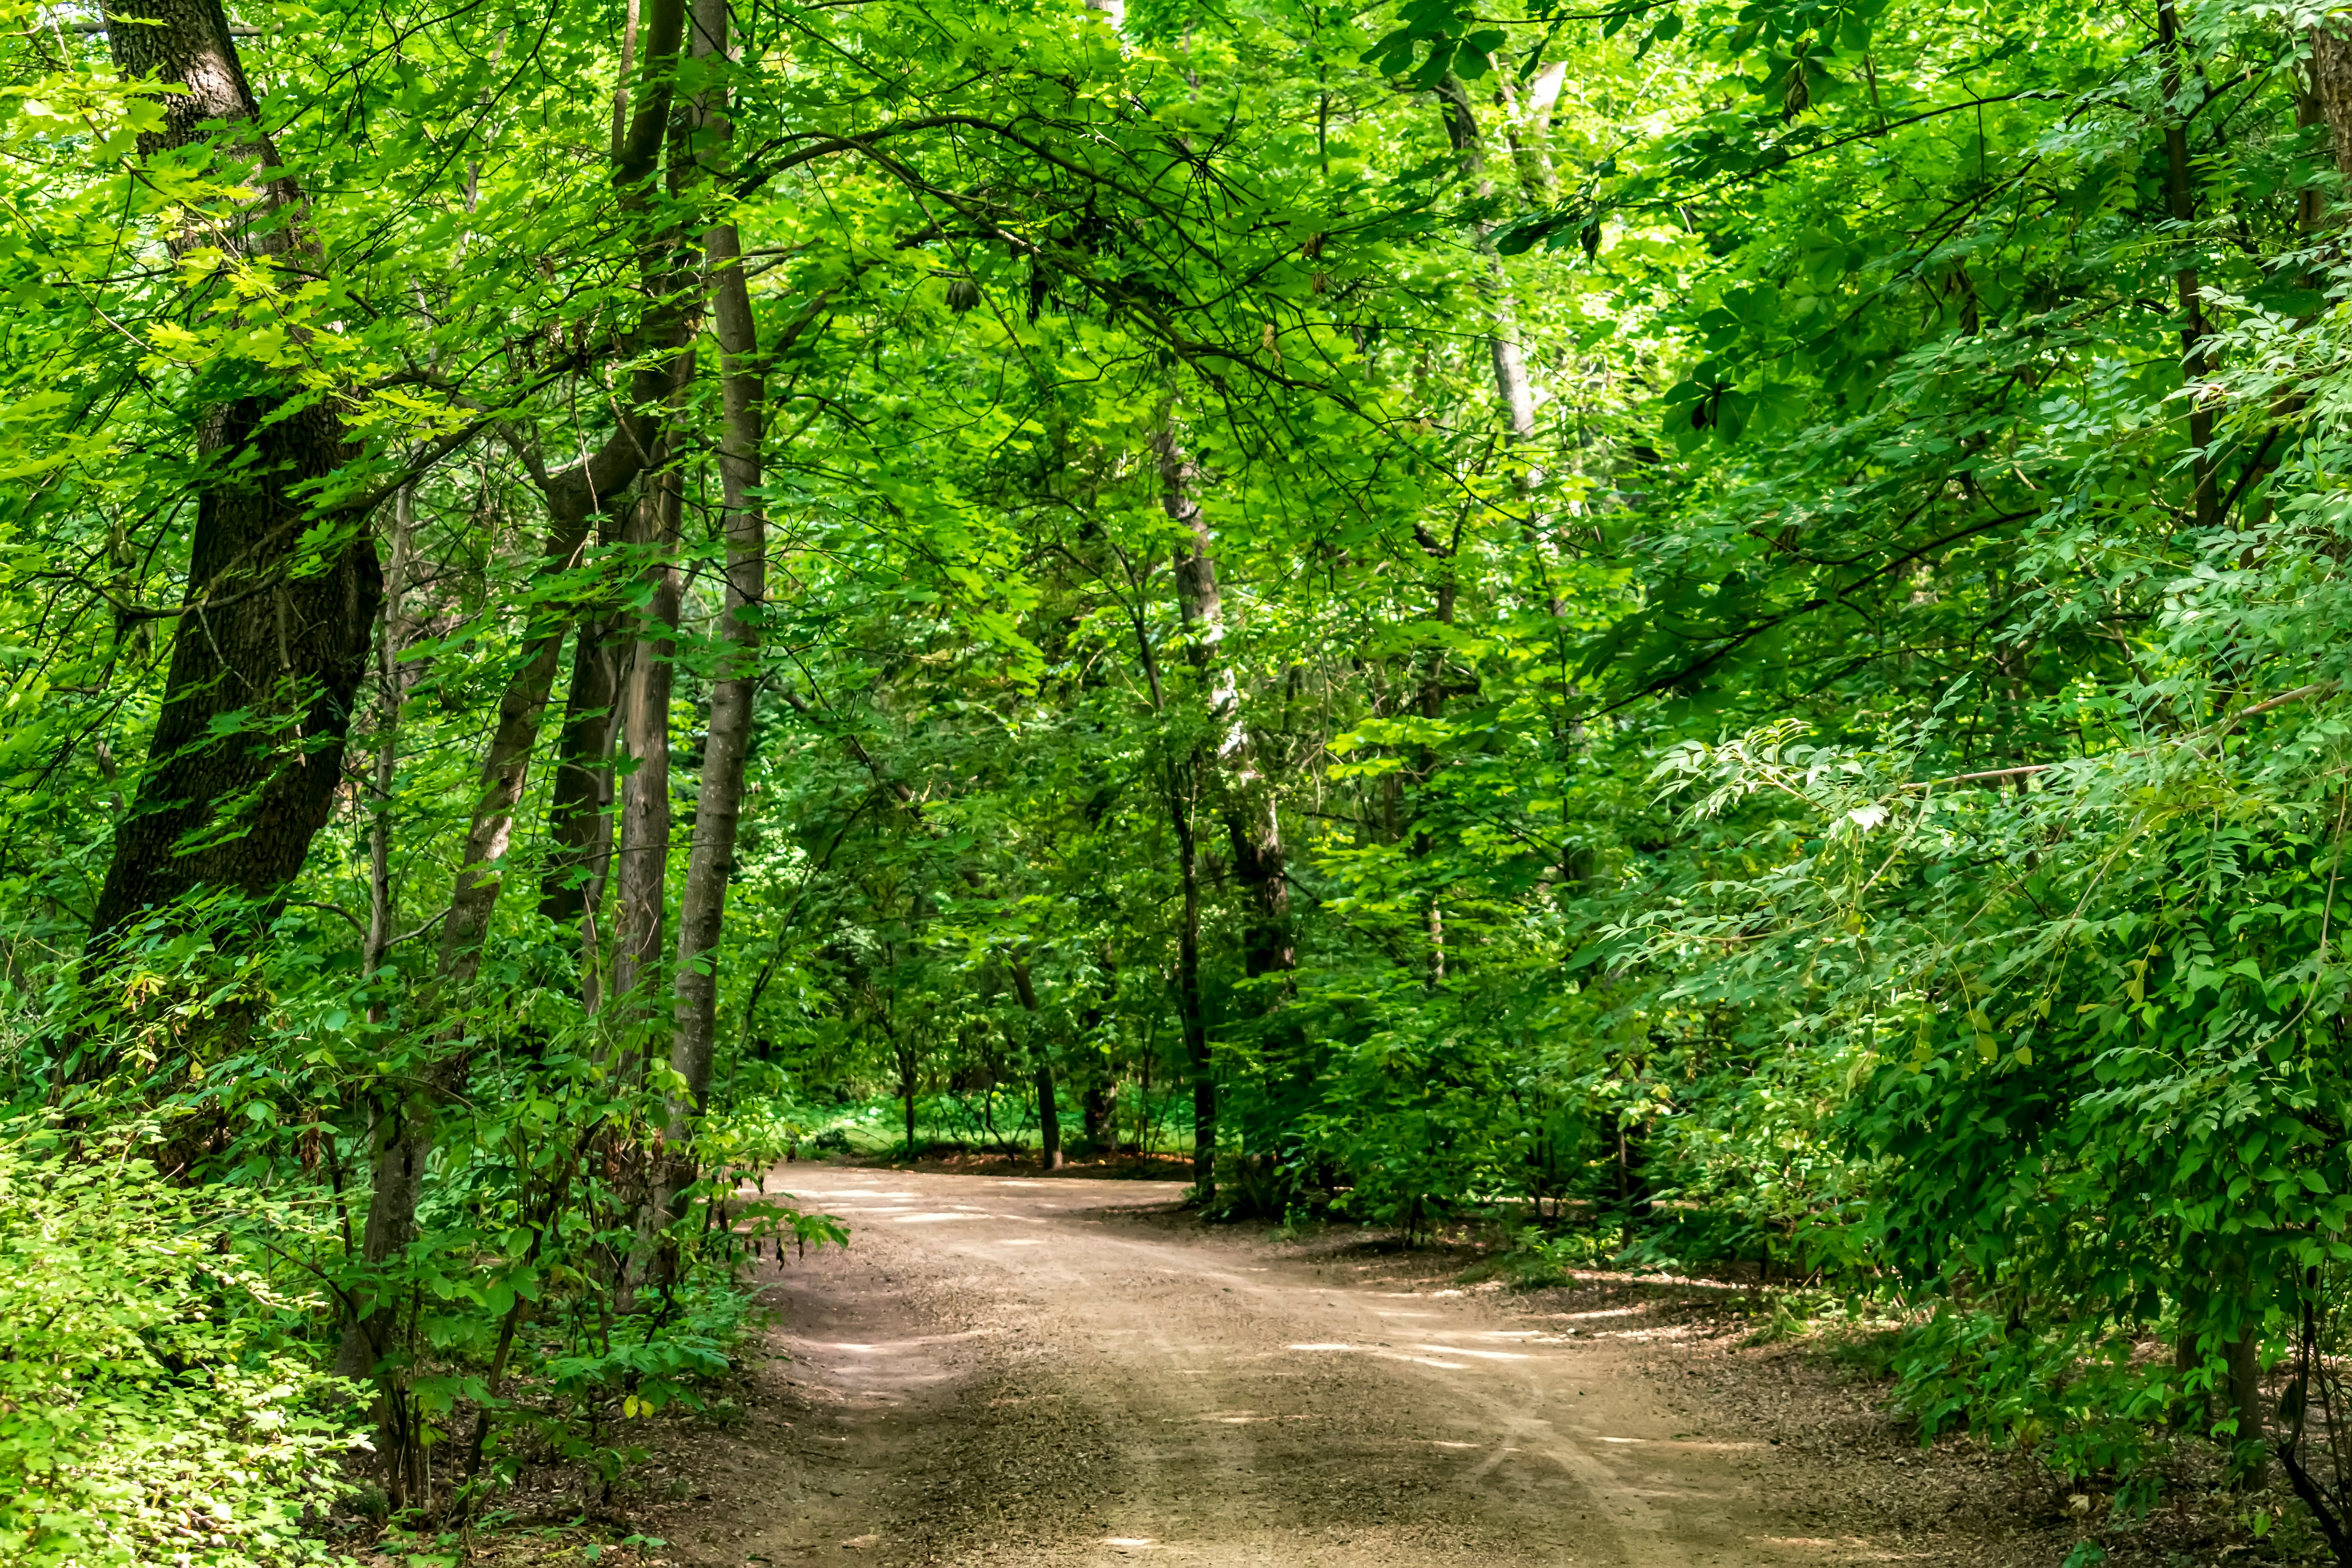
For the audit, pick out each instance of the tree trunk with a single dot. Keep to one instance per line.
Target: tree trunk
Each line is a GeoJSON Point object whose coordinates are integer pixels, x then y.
{"type": "Point", "coordinates": [506, 767]}
{"type": "Point", "coordinates": [2252, 1470]}
{"type": "Point", "coordinates": [654, 527]}
{"type": "Point", "coordinates": [1202, 611]}
{"type": "Point", "coordinates": [640, 915]}
{"type": "Point", "coordinates": [702, 903]}
{"type": "Point", "coordinates": [909, 1061]}
{"type": "Point", "coordinates": [1049, 1119]}
{"type": "Point", "coordinates": [1049, 1114]}
{"type": "Point", "coordinates": [1192, 1010]}
{"type": "Point", "coordinates": [391, 637]}
{"type": "Point", "coordinates": [580, 808]}
{"type": "Point", "coordinates": [2331, 85]}
{"type": "Point", "coordinates": [1100, 1101]}
{"type": "Point", "coordinates": [1528, 107]}
{"type": "Point", "coordinates": [274, 628]}
{"type": "Point", "coordinates": [1512, 388]}
{"type": "Point", "coordinates": [1245, 797]}
{"type": "Point", "coordinates": [1097, 1109]}
{"type": "Point", "coordinates": [2182, 190]}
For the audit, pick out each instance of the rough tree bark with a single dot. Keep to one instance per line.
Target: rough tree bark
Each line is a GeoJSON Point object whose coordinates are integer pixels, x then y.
{"type": "Point", "coordinates": [2330, 75]}
{"type": "Point", "coordinates": [264, 631]}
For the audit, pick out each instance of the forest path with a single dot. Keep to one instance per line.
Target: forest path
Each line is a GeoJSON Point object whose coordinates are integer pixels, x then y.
{"type": "Point", "coordinates": [1061, 1372]}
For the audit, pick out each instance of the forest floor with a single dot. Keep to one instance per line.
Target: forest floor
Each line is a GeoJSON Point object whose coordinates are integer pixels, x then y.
{"type": "Point", "coordinates": [1002, 1371]}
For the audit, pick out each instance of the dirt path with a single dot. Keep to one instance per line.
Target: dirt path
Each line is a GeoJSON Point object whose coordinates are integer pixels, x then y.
{"type": "Point", "coordinates": [1028, 1371]}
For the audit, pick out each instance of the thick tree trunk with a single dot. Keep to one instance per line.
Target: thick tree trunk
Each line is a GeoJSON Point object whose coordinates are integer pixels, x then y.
{"type": "Point", "coordinates": [2331, 85]}
{"type": "Point", "coordinates": [1255, 827]}
{"type": "Point", "coordinates": [273, 641]}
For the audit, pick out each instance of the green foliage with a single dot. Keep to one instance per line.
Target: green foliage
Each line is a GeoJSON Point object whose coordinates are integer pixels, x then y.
{"type": "Point", "coordinates": [1837, 770]}
{"type": "Point", "coordinates": [154, 1403]}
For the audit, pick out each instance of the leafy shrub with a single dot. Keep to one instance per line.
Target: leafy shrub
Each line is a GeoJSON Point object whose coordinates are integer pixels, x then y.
{"type": "Point", "coordinates": [2069, 1392]}
{"type": "Point", "coordinates": [149, 1410]}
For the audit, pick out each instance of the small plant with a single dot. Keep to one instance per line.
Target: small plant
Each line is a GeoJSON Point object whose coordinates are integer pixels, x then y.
{"type": "Point", "coordinates": [1784, 1321]}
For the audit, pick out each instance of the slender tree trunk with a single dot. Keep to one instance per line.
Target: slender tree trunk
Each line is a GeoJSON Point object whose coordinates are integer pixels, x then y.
{"type": "Point", "coordinates": [654, 527]}
{"type": "Point", "coordinates": [506, 768]}
{"type": "Point", "coordinates": [579, 809]}
{"type": "Point", "coordinates": [2183, 192]}
{"type": "Point", "coordinates": [1245, 797]}
{"type": "Point", "coordinates": [1099, 1102]}
{"type": "Point", "coordinates": [909, 1063]}
{"type": "Point", "coordinates": [2245, 1366]}
{"type": "Point", "coordinates": [1049, 1114]}
{"type": "Point", "coordinates": [1049, 1118]}
{"type": "Point", "coordinates": [273, 641]}
{"type": "Point", "coordinates": [1513, 389]}
{"type": "Point", "coordinates": [641, 912]}
{"type": "Point", "coordinates": [1192, 1009]}
{"type": "Point", "coordinates": [391, 637]}
{"type": "Point", "coordinates": [702, 903]}
{"type": "Point", "coordinates": [1098, 1110]}
{"type": "Point", "coordinates": [1199, 603]}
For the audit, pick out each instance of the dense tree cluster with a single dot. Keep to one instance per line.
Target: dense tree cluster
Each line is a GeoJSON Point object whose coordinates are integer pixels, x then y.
{"type": "Point", "coordinates": [1710, 629]}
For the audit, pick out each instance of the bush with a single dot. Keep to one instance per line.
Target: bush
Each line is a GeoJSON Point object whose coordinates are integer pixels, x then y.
{"type": "Point", "coordinates": [149, 1411]}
